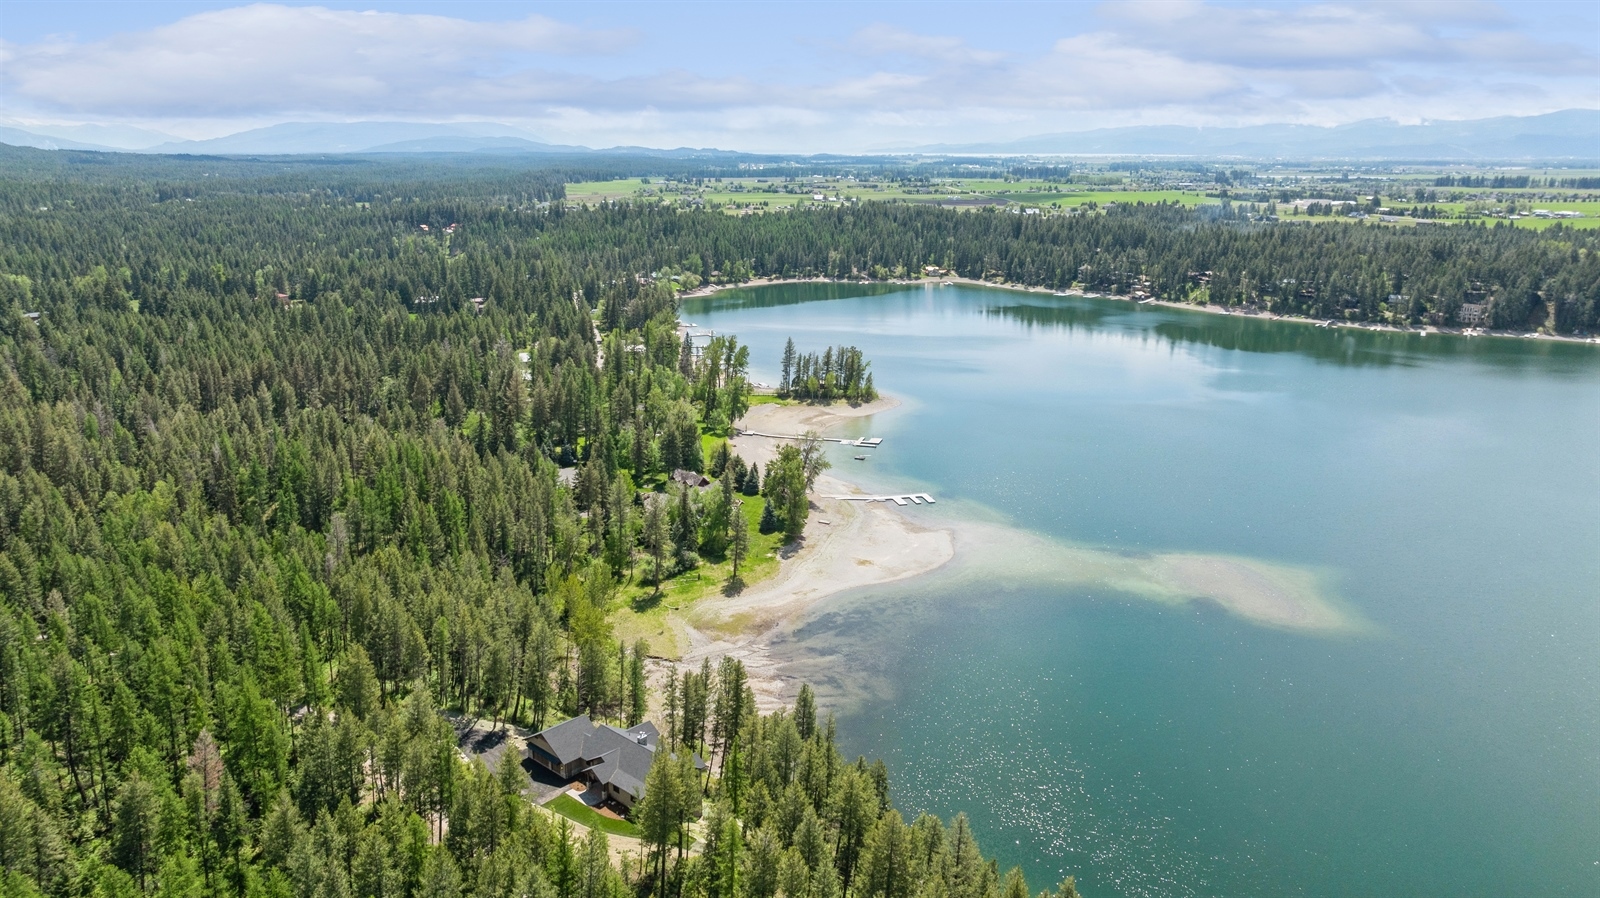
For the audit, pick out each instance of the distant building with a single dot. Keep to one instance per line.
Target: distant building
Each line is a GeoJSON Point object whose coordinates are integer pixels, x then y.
{"type": "Point", "coordinates": [1473, 313]}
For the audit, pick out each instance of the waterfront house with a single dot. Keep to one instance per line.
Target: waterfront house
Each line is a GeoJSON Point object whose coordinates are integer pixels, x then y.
{"type": "Point", "coordinates": [610, 760]}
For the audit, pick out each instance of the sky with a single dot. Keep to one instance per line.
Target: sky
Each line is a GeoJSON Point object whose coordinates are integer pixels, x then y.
{"type": "Point", "coordinates": [788, 77]}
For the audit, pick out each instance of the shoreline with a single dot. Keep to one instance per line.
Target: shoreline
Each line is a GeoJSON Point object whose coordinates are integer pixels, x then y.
{"type": "Point", "coordinates": [846, 545]}
{"type": "Point", "coordinates": [849, 545]}
{"type": "Point", "coordinates": [713, 289]}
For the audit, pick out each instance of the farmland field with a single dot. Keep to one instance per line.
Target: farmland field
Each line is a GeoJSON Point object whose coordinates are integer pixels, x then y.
{"type": "Point", "coordinates": [753, 194]}
{"type": "Point", "coordinates": [763, 193]}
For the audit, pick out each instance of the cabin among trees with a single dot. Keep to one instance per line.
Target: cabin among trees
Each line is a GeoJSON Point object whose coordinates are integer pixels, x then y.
{"type": "Point", "coordinates": [612, 761]}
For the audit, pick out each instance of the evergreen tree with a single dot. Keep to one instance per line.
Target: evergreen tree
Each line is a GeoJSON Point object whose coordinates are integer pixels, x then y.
{"type": "Point", "coordinates": [785, 383]}
{"type": "Point", "coordinates": [657, 539]}
{"type": "Point", "coordinates": [739, 543]}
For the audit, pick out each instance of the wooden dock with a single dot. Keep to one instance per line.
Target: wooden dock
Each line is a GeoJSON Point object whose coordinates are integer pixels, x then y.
{"type": "Point", "coordinates": [864, 442]}
{"type": "Point", "coordinates": [902, 499]}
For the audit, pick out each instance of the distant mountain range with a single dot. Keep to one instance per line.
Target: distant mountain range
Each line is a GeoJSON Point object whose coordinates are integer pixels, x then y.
{"type": "Point", "coordinates": [1570, 134]}
{"type": "Point", "coordinates": [368, 137]}
{"type": "Point", "coordinates": [116, 138]}
{"type": "Point", "coordinates": [1573, 134]}
{"type": "Point", "coordinates": [297, 138]}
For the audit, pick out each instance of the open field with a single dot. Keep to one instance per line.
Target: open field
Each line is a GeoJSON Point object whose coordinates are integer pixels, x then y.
{"type": "Point", "coordinates": [741, 194]}
{"type": "Point", "coordinates": [761, 194]}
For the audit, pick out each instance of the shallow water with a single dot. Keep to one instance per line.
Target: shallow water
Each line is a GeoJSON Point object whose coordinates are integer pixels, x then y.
{"type": "Point", "coordinates": [1444, 491]}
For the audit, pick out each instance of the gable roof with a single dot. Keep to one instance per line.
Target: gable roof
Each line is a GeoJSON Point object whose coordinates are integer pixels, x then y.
{"type": "Point", "coordinates": [644, 734]}
{"type": "Point", "coordinates": [612, 755]}
{"type": "Point", "coordinates": [624, 765]}
{"type": "Point", "coordinates": [567, 739]}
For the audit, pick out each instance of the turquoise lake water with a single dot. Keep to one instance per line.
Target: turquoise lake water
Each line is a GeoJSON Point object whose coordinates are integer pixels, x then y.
{"type": "Point", "coordinates": [1444, 490]}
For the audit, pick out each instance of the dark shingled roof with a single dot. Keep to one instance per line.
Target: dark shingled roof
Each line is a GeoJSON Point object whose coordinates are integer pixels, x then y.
{"type": "Point", "coordinates": [567, 739]}
{"type": "Point", "coordinates": [615, 756]}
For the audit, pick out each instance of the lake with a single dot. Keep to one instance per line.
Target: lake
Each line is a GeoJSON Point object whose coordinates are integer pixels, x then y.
{"type": "Point", "coordinates": [1440, 493]}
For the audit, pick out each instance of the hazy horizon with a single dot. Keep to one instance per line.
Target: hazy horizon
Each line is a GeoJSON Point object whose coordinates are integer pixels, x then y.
{"type": "Point", "coordinates": [845, 78]}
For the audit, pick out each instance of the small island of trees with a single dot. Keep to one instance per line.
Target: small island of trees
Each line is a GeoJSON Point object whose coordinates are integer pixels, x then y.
{"type": "Point", "coordinates": [840, 372]}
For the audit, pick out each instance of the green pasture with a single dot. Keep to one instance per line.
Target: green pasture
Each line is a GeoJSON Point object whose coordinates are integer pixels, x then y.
{"type": "Point", "coordinates": [753, 194]}
{"type": "Point", "coordinates": [737, 195]}
{"type": "Point", "coordinates": [1070, 198]}
{"type": "Point", "coordinates": [591, 192]}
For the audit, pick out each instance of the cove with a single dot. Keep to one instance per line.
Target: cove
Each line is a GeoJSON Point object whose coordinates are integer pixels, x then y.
{"type": "Point", "coordinates": [1443, 492]}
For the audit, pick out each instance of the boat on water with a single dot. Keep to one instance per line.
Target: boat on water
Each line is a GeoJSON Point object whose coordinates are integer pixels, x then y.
{"type": "Point", "coordinates": [861, 458]}
{"type": "Point", "coordinates": [1059, 294]}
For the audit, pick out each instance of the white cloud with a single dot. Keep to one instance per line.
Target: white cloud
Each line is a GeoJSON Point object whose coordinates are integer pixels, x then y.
{"type": "Point", "coordinates": [885, 40]}
{"type": "Point", "coordinates": [1176, 61]}
{"type": "Point", "coordinates": [264, 57]}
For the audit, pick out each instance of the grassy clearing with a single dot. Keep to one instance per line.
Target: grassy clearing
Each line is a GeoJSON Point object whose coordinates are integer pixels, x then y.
{"type": "Point", "coordinates": [642, 614]}
{"type": "Point", "coordinates": [578, 812]}
{"type": "Point", "coordinates": [1588, 222]}
{"type": "Point", "coordinates": [1591, 219]}
{"type": "Point", "coordinates": [1069, 198]}
{"type": "Point", "coordinates": [590, 192]}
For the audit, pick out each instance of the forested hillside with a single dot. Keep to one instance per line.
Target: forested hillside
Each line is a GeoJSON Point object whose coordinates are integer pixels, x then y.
{"type": "Point", "coordinates": [279, 502]}
{"type": "Point", "coordinates": [281, 480]}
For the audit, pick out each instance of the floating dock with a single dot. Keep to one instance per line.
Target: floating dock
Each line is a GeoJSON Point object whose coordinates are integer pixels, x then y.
{"type": "Point", "coordinates": [902, 499]}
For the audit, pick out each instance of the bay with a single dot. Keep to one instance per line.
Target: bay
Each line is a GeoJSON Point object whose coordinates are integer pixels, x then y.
{"type": "Point", "coordinates": [1442, 493]}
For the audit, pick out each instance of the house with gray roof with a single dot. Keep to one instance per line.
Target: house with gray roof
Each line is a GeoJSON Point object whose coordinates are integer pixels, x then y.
{"type": "Point", "coordinates": [612, 760]}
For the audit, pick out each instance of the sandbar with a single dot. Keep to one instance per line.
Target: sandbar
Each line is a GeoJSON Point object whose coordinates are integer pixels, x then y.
{"type": "Point", "coordinates": [850, 545]}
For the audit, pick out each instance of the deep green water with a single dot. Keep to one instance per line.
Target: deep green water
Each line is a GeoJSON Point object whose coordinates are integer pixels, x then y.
{"type": "Point", "coordinates": [1447, 489]}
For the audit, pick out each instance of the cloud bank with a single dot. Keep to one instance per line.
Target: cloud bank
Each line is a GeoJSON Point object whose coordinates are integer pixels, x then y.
{"type": "Point", "coordinates": [1160, 61]}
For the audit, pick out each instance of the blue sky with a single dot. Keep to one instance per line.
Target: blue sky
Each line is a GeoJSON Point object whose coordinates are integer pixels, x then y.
{"type": "Point", "coordinates": [790, 77]}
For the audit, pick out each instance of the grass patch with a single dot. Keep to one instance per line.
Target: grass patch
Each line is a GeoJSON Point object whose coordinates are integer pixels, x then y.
{"type": "Point", "coordinates": [578, 812]}
{"type": "Point", "coordinates": [709, 443]}
{"type": "Point", "coordinates": [641, 614]}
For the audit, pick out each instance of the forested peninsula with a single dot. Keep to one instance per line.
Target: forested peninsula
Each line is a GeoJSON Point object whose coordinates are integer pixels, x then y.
{"type": "Point", "coordinates": [305, 467]}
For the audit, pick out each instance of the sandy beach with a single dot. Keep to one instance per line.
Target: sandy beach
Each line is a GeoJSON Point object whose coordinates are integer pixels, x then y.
{"type": "Point", "coordinates": [849, 545]}
{"type": "Point", "coordinates": [846, 545]}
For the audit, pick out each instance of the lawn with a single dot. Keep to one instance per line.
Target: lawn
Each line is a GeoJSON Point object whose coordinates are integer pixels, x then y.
{"type": "Point", "coordinates": [641, 614]}
{"type": "Point", "coordinates": [578, 812]}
